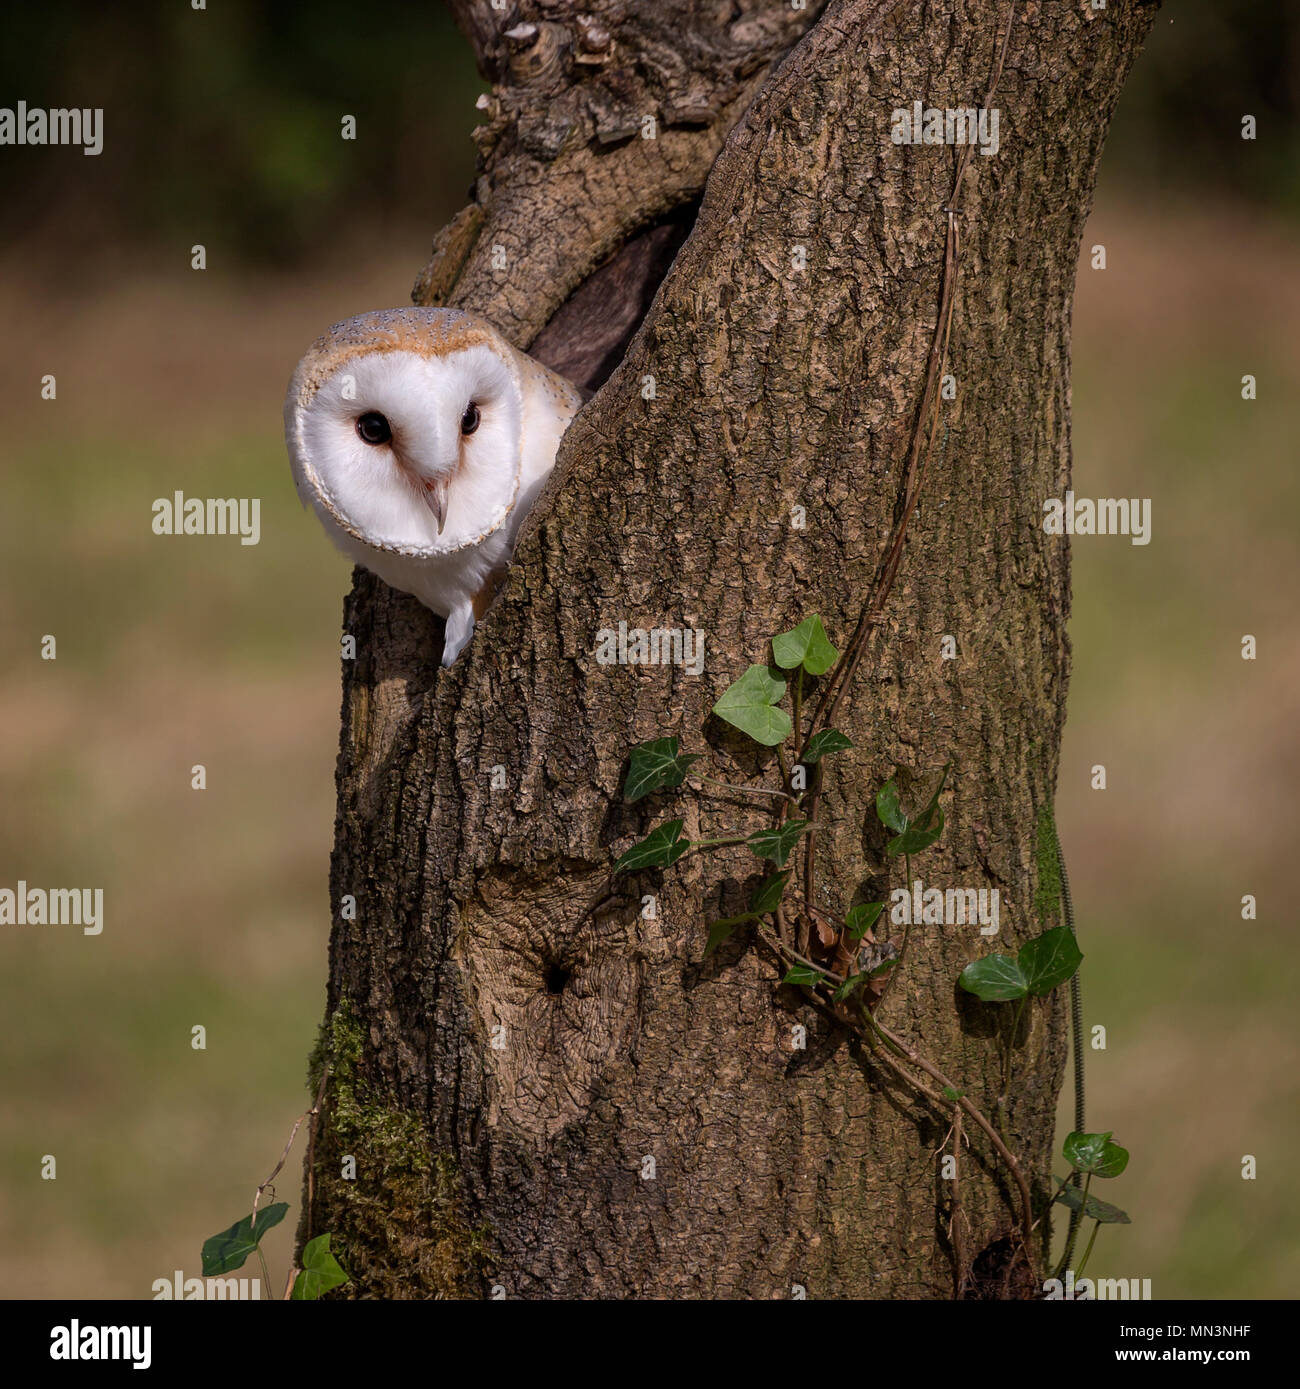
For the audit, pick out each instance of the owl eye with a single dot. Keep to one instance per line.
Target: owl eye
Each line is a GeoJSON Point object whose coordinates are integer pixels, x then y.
{"type": "Point", "coordinates": [374, 428]}
{"type": "Point", "coordinates": [469, 420]}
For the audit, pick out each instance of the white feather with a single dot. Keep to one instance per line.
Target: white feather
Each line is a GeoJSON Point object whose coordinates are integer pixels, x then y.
{"type": "Point", "coordinates": [369, 498]}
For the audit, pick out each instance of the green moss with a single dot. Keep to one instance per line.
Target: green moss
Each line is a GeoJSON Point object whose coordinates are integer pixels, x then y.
{"type": "Point", "coordinates": [1047, 896]}
{"type": "Point", "coordinates": [399, 1226]}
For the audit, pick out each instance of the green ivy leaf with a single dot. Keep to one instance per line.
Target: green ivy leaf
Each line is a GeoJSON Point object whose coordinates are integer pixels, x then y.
{"type": "Point", "coordinates": [950, 1094]}
{"type": "Point", "coordinates": [828, 740]}
{"type": "Point", "coordinates": [995, 979]}
{"type": "Point", "coordinates": [888, 809]}
{"type": "Point", "coordinates": [767, 896]}
{"type": "Point", "coordinates": [321, 1271]}
{"type": "Point", "coordinates": [662, 846]}
{"type": "Point", "coordinates": [854, 981]}
{"type": "Point", "coordinates": [654, 765]}
{"type": "Point", "coordinates": [1095, 1153]}
{"type": "Point", "coordinates": [806, 645]}
{"type": "Point", "coordinates": [862, 918]}
{"type": "Point", "coordinates": [749, 705]}
{"type": "Point", "coordinates": [1049, 959]}
{"type": "Point", "coordinates": [913, 839]}
{"type": "Point", "coordinates": [720, 930]}
{"type": "Point", "coordinates": [227, 1251]}
{"type": "Point", "coordinates": [1094, 1207]}
{"type": "Point", "coordinates": [776, 844]}
{"type": "Point", "coordinates": [1114, 1161]}
{"type": "Point", "coordinates": [801, 974]}
{"type": "Point", "coordinates": [926, 817]}
{"type": "Point", "coordinates": [1084, 1150]}
{"type": "Point", "coordinates": [915, 834]}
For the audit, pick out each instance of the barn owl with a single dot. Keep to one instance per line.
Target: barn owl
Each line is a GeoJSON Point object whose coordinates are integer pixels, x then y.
{"type": "Point", "coordinates": [421, 438]}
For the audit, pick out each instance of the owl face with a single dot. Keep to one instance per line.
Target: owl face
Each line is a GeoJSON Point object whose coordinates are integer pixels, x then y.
{"type": "Point", "coordinates": [405, 427]}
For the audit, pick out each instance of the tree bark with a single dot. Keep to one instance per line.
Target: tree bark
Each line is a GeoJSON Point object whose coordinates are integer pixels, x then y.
{"type": "Point", "coordinates": [508, 1048]}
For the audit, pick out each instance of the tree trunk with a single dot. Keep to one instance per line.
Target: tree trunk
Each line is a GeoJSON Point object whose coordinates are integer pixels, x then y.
{"type": "Point", "coordinates": [508, 1048]}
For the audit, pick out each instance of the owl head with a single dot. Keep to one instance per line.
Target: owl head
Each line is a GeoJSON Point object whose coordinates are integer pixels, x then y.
{"type": "Point", "coordinates": [404, 428]}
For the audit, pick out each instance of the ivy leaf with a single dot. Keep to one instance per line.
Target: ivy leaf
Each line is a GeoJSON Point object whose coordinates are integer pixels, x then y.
{"type": "Point", "coordinates": [654, 765]}
{"type": "Point", "coordinates": [1095, 1153]}
{"type": "Point", "coordinates": [915, 834]}
{"type": "Point", "coordinates": [862, 918]}
{"type": "Point", "coordinates": [227, 1251]}
{"type": "Point", "coordinates": [913, 838]}
{"type": "Point", "coordinates": [749, 705]}
{"type": "Point", "coordinates": [321, 1271]}
{"type": "Point", "coordinates": [926, 817]}
{"type": "Point", "coordinates": [1049, 959]}
{"type": "Point", "coordinates": [776, 844]}
{"type": "Point", "coordinates": [1040, 965]}
{"type": "Point", "coordinates": [1094, 1207]}
{"type": "Point", "coordinates": [828, 740]}
{"type": "Point", "coordinates": [1114, 1161]}
{"type": "Point", "coordinates": [806, 645]}
{"type": "Point", "coordinates": [995, 979]}
{"type": "Point", "coordinates": [1084, 1150]}
{"type": "Point", "coordinates": [888, 809]}
{"type": "Point", "coordinates": [801, 974]}
{"type": "Point", "coordinates": [854, 981]}
{"type": "Point", "coordinates": [950, 1094]}
{"type": "Point", "coordinates": [767, 896]}
{"type": "Point", "coordinates": [720, 930]}
{"type": "Point", "coordinates": [662, 846]}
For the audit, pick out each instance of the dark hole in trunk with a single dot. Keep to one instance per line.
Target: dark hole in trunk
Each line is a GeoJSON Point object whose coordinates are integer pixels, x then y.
{"type": "Point", "coordinates": [556, 978]}
{"type": "Point", "coordinates": [590, 331]}
{"type": "Point", "coordinates": [999, 1273]}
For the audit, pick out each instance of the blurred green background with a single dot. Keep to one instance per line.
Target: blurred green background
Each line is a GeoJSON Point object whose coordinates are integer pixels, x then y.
{"type": "Point", "coordinates": [222, 128]}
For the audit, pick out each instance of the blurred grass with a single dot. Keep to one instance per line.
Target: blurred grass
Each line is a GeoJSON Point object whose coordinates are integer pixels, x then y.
{"type": "Point", "coordinates": [1201, 748]}
{"type": "Point", "coordinates": [171, 652]}
{"type": "Point", "coordinates": [176, 652]}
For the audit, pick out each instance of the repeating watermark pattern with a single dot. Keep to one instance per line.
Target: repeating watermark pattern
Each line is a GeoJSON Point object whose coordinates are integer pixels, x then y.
{"type": "Point", "coordinates": [1071, 1289]}
{"type": "Point", "coordinates": [953, 906]}
{"type": "Point", "coordinates": [182, 515]}
{"type": "Point", "coordinates": [934, 125]}
{"type": "Point", "coordinates": [55, 906]}
{"type": "Point", "coordinates": [35, 125]}
{"type": "Point", "coordinates": [77, 1342]}
{"type": "Point", "coordinates": [1073, 515]}
{"type": "Point", "coordinates": [178, 1288]}
{"type": "Point", "coordinates": [658, 646]}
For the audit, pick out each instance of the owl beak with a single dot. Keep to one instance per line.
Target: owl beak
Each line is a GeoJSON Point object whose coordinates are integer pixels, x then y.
{"type": "Point", "coordinates": [435, 496]}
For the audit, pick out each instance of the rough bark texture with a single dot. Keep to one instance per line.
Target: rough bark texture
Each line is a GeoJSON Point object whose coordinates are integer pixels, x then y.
{"type": "Point", "coordinates": [523, 1165]}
